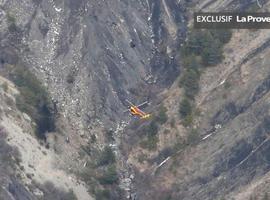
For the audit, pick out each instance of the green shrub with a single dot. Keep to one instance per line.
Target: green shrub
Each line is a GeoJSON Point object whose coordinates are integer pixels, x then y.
{"type": "Point", "coordinates": [102, 194]}
{"type": "Point", "coordinates": [109, 177]}
{"type": "Point", "coordinates": [190, 82]}
{"type": "Point", "coordinates": [187, 121]}
{"type": "Point", "coordinates": [223, 35]}
{"type": "Point", "coordinates": [193, 137]}
{"type": "Point", "coordinates": [212, 54]}
{"type": "Point", "coordinates": [70, 195]}
{"type": "Point", "coordinates": [192, 62]}
{"type": "Point", "coordinates": [191, 76]}
{"type": "Point", "coordinates": [196, 42]}
{"type": "Point", "coordinates": [152, 129]}
{"type": "Point", "coordinates": [142, 157]}
{"type": "Point", "coordinates": [11, 21]}
{"type": "Point", "coordinates": [150, 143]}
{"type": "Point", "coordinates": [185, 108]}
{"type": "Point", "coordinates": [180, 145]}
{"type": "Point", "coordinates": [5, 86]}
{"type": "Point", "coordinates": [106, 157]}
{"type": "Point", "coordinates": [151, 139]}
{"type": "Point", "coordinates": [162, 116]}
{"type": "Point", "coordinates": [203, 48]}
{"type": "Point", "coordinates": [227, 85]}
{"type": "Point", "coordinates": [172, 123]}
{"type": "Point", "coordinates": [109, 135]}
{"type": "Point", "coordinates": [10, 18]}
{"type": "Point", "coordinates": [208, 44]}
{"type": "Point", "coordinates": [70, 78]}
{"type": "Point", "coordinates": [93, 138]}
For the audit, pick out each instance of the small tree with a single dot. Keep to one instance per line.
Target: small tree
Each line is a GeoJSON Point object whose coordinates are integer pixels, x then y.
{"type": "Point", "coordinates": [102, 194]}
{"type": "Point", "coordinates": [190, 82]}
{"type": "Point", "coordinates": [162, 116]}
{"type": "Point", "coordinates": [212, 54]}
{"type": "Point", "coordinates": [107, 157]}
{"type": "Point", "coordinates": [109, 177]}
{"type": "Point", "coordinates": [185, 108]}
{"type": "Point", "coordinates": [152, 129]}
{"type": "Point", "coordinates": [193, 137]}
{"type": "Point", "coordinates": [223, 35]}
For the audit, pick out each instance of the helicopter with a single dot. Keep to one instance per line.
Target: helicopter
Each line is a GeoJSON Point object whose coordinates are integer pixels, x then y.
{"type": "Point", "coordinates": [136, 111]}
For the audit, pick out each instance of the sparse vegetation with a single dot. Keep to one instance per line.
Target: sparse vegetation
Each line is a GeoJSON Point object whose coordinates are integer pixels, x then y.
{"type": "Point", "coordinates": [52, 192]}
{"type": "Point", "coordinates": [70, 78]}
{"type": "Point", "coordinates": [193, 137]}
{"type": "Point", "coordinates": [9, 156]}
{"type": "Point", "coordinates": [93, 138]}
{"type": "Point", "coordinates": [106, 157]}
{"type": "Point", "coordinates": [265, 196]}
{"type": "Point", "coordinates": [152, 129]}
{"type": "Point", "coordinates": [222, 35]}
{"type": "Point", "coordinates": [188, 120]}
{"type": "Point", "coordinates": [191, 75]}
{"type": "Point", "coordinates": [203, 48]}
{"type": "Point", "coordinates": [33, 100]}
{"type": "Point", "coordinates": [11, 20]}
{"type": "Point", "coordinates": [102, 194]}
{"type": "Point", "coordinates": [5, 86]}
{"type": "Point", "coordinates": [151, 140]}
{"type": "Point", "coordinates": [227, 85]}
{"type": "Point", "coordinates": [142, 157]}
{"type": "Point", "coordinates": [109, 135]}
{"type": "Point", "coordinates": [185, 108]}
{"type": "Point", "coordinates": [172, 123]}
{"type": "Point", "coordinates": [207, 44]}
{"type": "Point", "coordinates": [150, 143]}
{"type": "Point", "coordinates": [109, 177]}
{"type": "Point", "coordinates": [162, 116]}
{"type": "Point", "coordinates": [253, 7]}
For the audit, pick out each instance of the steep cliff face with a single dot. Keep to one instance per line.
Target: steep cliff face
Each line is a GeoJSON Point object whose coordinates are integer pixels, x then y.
{"type": "Point", "coordinates": [91, 56]}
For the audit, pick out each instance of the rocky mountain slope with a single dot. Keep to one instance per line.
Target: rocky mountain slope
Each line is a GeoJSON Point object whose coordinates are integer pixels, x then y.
{"type": "Point", "coordinates": [90, 56]}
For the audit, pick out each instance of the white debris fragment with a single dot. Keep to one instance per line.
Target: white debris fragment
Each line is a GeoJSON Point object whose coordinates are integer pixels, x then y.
{"type": "Point", "coordinates": [27, 117]}
{"type": "Point", "coordinates": [207, 136]}
{"type": "Point", "coordinates": [163, 162]}
{"type": "Point", "coordinates": [218, 126]}
{"type": "Point", "coordinates": [112, 145]}
{"type": "Point", "coordinates": [58, 9]}
{"type": "Point", "coordinates": [222, 82]}
{"type": "Point", "coordinates": [38, 192]}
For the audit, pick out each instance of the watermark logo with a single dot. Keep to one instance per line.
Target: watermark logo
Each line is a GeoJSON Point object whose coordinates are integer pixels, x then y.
{"type": "Point", "coordinates": [232, 20]}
